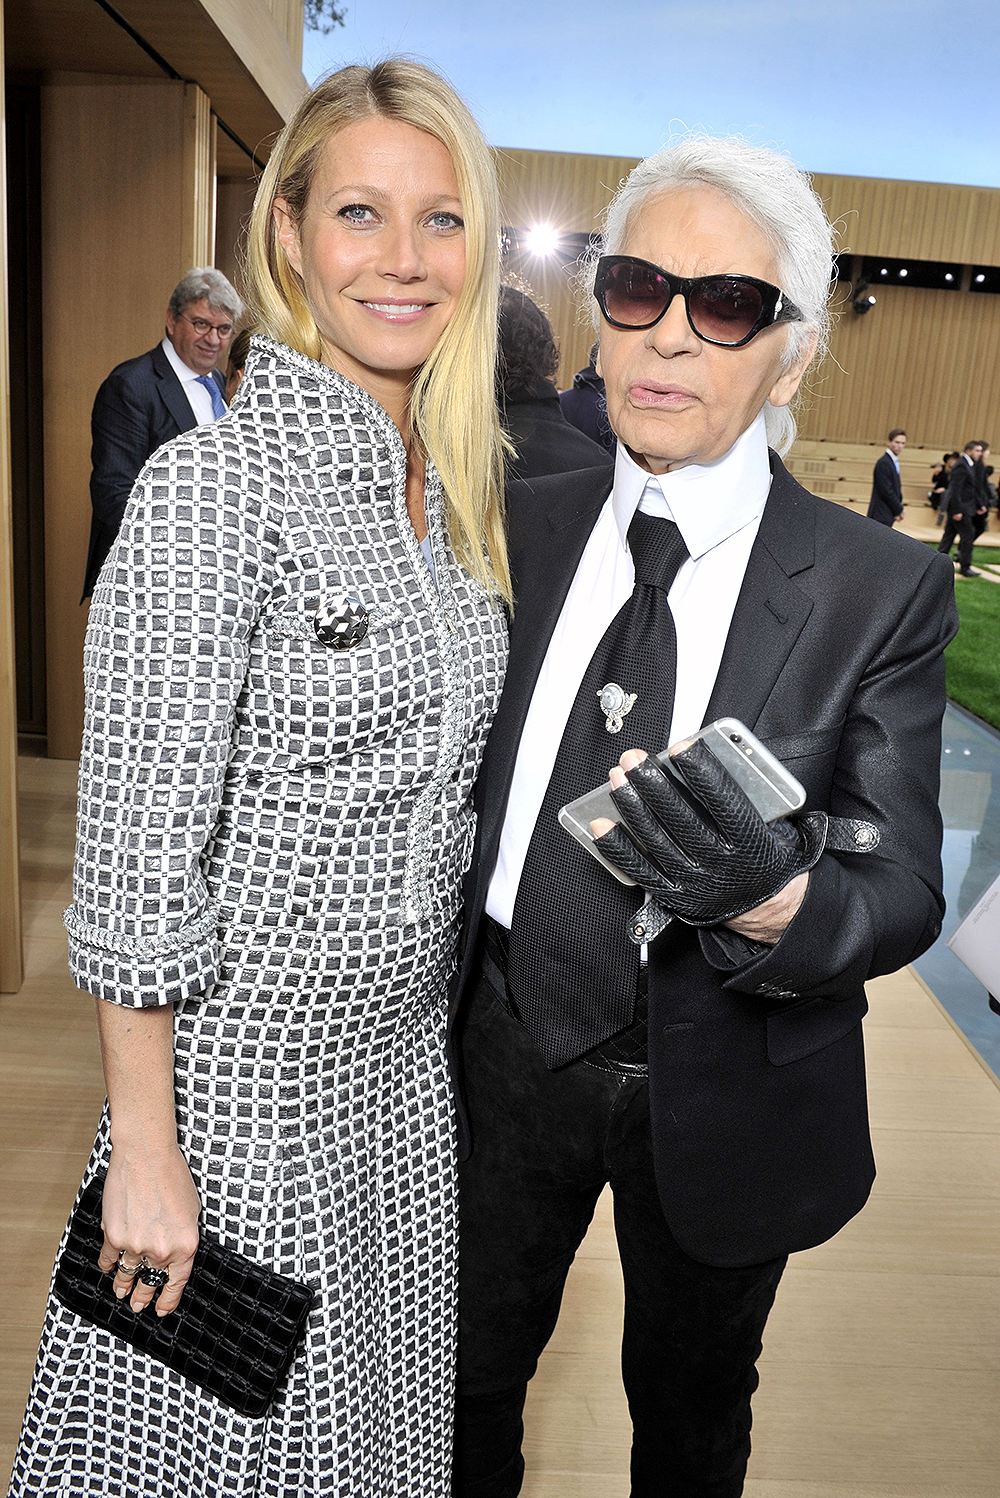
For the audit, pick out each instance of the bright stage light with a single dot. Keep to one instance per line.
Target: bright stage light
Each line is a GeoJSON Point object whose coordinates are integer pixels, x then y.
{"type": "Point", "coordinates": [541, 240]}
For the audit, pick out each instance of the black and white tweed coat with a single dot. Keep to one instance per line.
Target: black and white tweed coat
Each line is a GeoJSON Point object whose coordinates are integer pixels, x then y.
{"type": "Point", "coordinates": [271, 837]}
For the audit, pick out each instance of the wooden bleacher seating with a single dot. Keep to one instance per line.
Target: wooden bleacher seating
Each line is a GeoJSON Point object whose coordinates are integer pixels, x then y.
{"type": "Point", "coordinates": [842, 471]}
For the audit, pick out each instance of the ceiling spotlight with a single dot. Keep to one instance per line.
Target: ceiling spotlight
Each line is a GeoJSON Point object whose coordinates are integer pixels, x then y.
{"type": "Point", "coordinates": [541, 240]}
{"type": "Point", "coordinates": [903, 271]}
{"type": "Point", "coordinates": [884, 271]}
{"type": "Point", "coordinates": [862, 301]}
{"type": "Point", "coordinates": [980, 279]}
{"type": "Point", "coordinates": [948, 276]}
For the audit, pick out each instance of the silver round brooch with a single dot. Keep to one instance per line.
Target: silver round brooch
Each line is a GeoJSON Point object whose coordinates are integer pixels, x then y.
{"type": "Point", "coordinates": [340, 622]}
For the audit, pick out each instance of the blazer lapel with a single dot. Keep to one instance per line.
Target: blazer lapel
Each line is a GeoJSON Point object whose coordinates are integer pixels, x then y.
{"type": "Point", "coordinates": [545, 553]}
{"type": "Point", "coordinates": [771, 609]}
{"type": "Point", "coordinates": [172, 392]}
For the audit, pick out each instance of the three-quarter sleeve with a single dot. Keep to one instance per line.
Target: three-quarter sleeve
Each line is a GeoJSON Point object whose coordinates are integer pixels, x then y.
{"type": "Point", "coordinates": [164, 665]}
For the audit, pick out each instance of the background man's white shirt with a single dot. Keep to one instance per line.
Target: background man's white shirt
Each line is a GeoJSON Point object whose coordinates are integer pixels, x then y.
{"type": "Point", "coordinates": [199, 398]}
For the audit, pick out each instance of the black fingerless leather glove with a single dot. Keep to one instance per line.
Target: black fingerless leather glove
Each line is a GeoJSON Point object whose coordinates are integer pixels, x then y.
{"type": "Point", "coordinates": [708, 856]}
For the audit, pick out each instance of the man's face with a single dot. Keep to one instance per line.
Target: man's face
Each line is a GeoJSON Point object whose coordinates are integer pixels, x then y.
{"type": "Point", "coordinates": [897, 444]}
{"type": "Point", "coordinates": [201, 334]}
{"type": "Point", "coordinates": [673, 399]}
{"type": "Point", "coordinates": [975, 452]}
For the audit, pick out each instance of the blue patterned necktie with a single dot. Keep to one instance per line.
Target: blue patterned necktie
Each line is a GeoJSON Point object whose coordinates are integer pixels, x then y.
{"type": "Point", "coordinates": [211, 385]}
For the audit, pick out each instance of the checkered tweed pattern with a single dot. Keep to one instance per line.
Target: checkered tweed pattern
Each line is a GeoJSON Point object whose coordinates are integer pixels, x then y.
{"type": "Point", "coordinates": [271, 837]}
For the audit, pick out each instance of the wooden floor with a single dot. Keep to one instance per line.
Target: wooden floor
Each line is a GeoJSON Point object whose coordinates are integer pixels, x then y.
{"type": "Point", "coordinates": [881, 1370]}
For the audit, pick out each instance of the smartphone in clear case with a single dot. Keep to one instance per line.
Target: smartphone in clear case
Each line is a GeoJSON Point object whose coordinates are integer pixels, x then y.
{"type": "Point", "coordinates": [771, 789]}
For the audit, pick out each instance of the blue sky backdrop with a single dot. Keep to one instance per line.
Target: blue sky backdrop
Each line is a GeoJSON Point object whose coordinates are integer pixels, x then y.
{"type": "Point", "coordinates": [887, 88]}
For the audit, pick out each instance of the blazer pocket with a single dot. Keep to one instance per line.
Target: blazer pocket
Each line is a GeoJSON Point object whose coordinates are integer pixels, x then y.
{"type": "Point", "coordinates": [805, 745]}
{"type": "Point", "coordinates": [800, 1029]}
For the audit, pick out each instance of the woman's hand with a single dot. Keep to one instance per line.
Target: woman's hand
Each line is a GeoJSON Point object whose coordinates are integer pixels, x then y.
{"type": "Point", "coordinates": [150, 1211]}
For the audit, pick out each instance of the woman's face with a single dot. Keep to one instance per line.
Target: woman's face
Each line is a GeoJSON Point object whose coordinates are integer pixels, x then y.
{"type": "Point", "coordinates": [380, 249]}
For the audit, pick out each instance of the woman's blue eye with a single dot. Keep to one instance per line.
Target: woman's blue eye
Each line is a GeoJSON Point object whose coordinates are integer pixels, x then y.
{"type": "Point", "coordinates": [356, 212]}
{"type": "Point", "coordinates": [444, 220]}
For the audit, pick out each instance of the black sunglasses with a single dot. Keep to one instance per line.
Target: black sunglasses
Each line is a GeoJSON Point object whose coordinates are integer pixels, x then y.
{"type": "Point", "coordinates": [726, 310]}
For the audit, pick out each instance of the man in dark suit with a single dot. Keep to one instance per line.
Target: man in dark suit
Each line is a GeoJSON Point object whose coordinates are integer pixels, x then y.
{"type": "Point", "coordinates": [964, 502]}
{"type": "Point", "coordinates": [886, 504]}
{"type": "Point", "coordinates": [709, 1066]}
{"type": "Point", "coordinates": [544, 440]}
{"type": "Point", "coordinates": [148, 400]}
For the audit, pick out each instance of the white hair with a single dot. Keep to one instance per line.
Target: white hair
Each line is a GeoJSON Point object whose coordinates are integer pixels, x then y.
{"type": "Point", "coordinates": [776, 197]}
{"type": "Point", "coordinates": [205, 283]}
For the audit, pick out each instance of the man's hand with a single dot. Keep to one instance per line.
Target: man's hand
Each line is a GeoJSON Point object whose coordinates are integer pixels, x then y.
{"type": "Point", "coordinates": [766, 923]}
{"type": "Point", "coordinates": [708, 857]}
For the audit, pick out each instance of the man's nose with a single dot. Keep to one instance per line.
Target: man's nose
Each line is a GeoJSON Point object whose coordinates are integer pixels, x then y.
{"type": "Point", "coordinates": [673, 333]}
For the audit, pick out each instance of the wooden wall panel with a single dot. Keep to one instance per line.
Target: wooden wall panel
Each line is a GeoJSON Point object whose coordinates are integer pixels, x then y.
{"type": "Point", "coordinates": [559, 188]}
{"type": "Point", "coordinates": [288, 17]}
{"type": "Point", "coordinates": [928, 361]}
{"type": "Point", "coordinates": [198, 178]}
{"type": "Point", "coordinates": [125, 204]}
{"type": "Point", "coordinates": [234, 202]}
{"type": "Point", "coordinates": [927, 220]}
{"type": "Point", "coordinates": [11, 959]}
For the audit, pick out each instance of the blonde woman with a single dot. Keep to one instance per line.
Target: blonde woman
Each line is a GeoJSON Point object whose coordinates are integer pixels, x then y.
{"type": "Point", "coordinates": [294, 655]}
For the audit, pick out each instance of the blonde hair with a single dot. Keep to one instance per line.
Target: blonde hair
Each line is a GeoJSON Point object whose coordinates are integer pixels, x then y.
{"type": "Point", "coordinates": [453, 401]}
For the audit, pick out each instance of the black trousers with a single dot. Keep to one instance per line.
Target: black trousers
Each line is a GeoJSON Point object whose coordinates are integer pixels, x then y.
{"type": "Point", "coordinates": [544, 1146]}
{"type": "Point", "coordinates": [966, 533]}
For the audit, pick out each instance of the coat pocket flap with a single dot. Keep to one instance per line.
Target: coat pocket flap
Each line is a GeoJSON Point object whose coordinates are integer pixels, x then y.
{"type": "Point", "coordinates": [802, 745]}
{"type": "Point", "coordinates": [800, 1029]}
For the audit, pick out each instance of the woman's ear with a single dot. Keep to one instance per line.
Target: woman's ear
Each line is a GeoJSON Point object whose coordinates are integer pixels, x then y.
{"type": "Point", "coordinates": [288, 233]}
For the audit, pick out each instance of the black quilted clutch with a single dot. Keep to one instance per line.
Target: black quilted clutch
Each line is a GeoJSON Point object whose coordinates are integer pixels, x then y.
{"type": "Point", "coordinates": [234, 1333]}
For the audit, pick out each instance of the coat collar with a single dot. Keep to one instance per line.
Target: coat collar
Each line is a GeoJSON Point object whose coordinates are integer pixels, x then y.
{"type": "Point", "coordinates": [172, 392]}
{"type": "Point", "coordinates": [772, 609]}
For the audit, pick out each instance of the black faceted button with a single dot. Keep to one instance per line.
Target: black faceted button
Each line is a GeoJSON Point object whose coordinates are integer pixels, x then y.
{"type": "Point", "coordinates": [340, 622]}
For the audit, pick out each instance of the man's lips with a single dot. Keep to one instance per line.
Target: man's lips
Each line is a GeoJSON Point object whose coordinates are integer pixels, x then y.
{"type": "Point", "coordinates": [653, 393]}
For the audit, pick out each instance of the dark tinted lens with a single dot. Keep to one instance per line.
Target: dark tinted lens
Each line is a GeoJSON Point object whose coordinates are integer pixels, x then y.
{"type": "Point", "coordinates": [725, 310]}
{"type": "Point", "coordinates": [634, 294]}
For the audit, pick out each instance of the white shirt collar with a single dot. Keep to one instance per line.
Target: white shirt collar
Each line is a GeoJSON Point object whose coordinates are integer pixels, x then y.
{"type": "Point", "coordinates": [708, 502]}
{"type": "Point", "coordinates": [183, 371]}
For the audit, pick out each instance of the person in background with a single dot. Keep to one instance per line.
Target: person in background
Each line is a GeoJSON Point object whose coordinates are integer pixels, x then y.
{"type": "Point", "coordinates": [529, 401]}
{"type": "Point", "coordinates": [237, 362]}
{"type": "Point", "coordinates": [147, 400]}
{"type": "Point", "coordinates": [987, 492]}
{"type": "Point", "coordinates": [940, 474]}
{"type": "Point", "coordinates": [963, 502]}
{"type": "Point", "coordinates": [886, 504]}
{"type": "Point", "coordinates": [585, 406]}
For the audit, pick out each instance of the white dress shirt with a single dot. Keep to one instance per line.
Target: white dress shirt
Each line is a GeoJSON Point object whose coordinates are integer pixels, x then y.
{"type": "Point", "coordinates": [892, 455]}
{"type": "Point", "coordinates": [717, 509]}
{"type": "Point", "coordinates": [199, 398]}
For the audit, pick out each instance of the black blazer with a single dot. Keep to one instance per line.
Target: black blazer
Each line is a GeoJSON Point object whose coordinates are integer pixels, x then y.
{"type": "Point", "coordinates": [756, 1062]}
{"type": "Point", "coordinates": [964, 495]}
{"type": "Point", "coordinates": [546, 442]}
{"type": "Point", "coordinates": [140, 406]}
{"type": "Point", "coordinates": [887, 492]}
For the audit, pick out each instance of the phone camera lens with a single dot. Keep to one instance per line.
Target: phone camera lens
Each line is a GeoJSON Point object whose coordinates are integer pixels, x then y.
{"type": "Point", "coordinates": [736, 738]}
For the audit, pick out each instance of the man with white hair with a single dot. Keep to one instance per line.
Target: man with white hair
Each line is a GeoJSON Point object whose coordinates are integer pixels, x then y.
{"type": "Point", "coordinates": [148, 400]}
{"type": "Point", "coordinates": [696, 1041]}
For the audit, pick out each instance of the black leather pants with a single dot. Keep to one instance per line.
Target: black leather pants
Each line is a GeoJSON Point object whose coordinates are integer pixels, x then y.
{"type": "Point", "coordinates": [544, 1146]}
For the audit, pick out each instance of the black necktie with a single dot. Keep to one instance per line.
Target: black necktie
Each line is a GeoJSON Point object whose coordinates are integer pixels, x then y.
{"type": "Point", "coordinates": [572, 971]}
